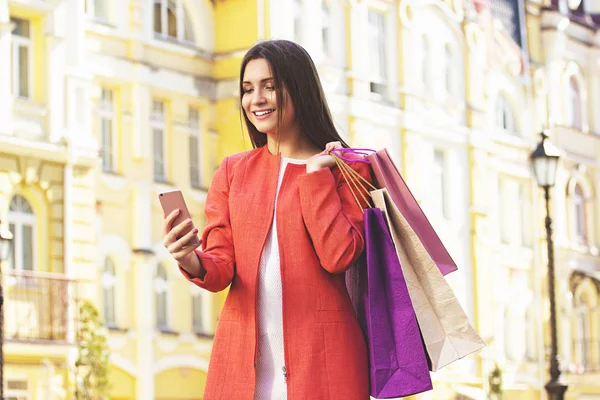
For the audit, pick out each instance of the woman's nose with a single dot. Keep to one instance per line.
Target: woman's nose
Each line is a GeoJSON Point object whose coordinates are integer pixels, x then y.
{"type": "Point", "coordinates": [258, 97]}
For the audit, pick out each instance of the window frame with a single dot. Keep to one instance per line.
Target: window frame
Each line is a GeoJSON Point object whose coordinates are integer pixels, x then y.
{"type": "Point", "coordinates": [195, 134]}
{"type": "Point", "coordinates": [18, 41]}
{"type": "Point", "coordinates": [575, 105]}
{"type": "Point", "coordinates": [326, 25]}
{"type": "Point", "coordinates": [91, 8]}
{"type": "Point", "coordinates": [505, 116]}
{"type": "Point", "coordinates": [439, 171]}
{"type": "Point", "coordinates": [108, 112]}
{"type": "Point", "coordinates": [184, 31]}
{"type": "Point", "coordinates": [18, 219]}
{"type": "Point", "coordinates": [579, 214]}
{"type": "Point", "coordinates": [297, 27]}
{"type": "Point", "coordinates": [425, 64]}
{"type": "Point", "coordinates": [450, 70]}
{"type": "Point", "coordinates": [377, 34]}
{"type": "Point", "coordinates": [109, 289]}
{"type": "Point", "coordinates": [158, 123]}
{"type": "Point", "coordinates": [162, 296]}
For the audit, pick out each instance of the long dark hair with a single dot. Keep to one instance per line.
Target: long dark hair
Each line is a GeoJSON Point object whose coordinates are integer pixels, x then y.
{"type": "Point", "coordinates": [293, 68]}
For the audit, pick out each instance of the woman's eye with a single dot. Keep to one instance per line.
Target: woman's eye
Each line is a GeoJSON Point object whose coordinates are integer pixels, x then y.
{"type": "Point", "coordinates": [247, 90]}
{"type": "Point", "coordinates": [270, 87]}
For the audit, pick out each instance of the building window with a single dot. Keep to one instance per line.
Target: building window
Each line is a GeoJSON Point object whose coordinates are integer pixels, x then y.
{"type": "Point", "coordinates": [158, 127]}
{"type": "Point", "coordinates": [579, 214]}
{"type": "Point", "coordinates": [297, 20]}
{"type": "Point", "coordinates": [22, 223]}
{"type": "Point", "coordinates": [574, 108]}
{"type": "Point", "coordinates": [197, 313]}
{"type": "Point", "coordinates": [161, 290]}
{"type": "Point", "coordinates": [449, 75]}
{"type": "Point", "coordinates": [326, 28]}
{"type": "Point", "coordinates": [582, 342]}
{"type": "Point", "coordinates": [508, 13]}
{"type": "Point", "coordinates": [22, 53]}
{"type": "Point", "coordinates": [377, 46]}
{"type": "Point", "coordinates": [108, 281]}
{"type": "Point", "coordinates": [439, 184]}
{"type": "Point", "coordinates": [171, 21]}
{"type": "Point", "coordinates": [531, 350]}
{"type": "Point", "coordinates": [17, 389]}
{"type": "Point", "coordinates": [195, 147]}
{"type": "Point", "coordinates": [106, 113]}
{"type": "Point", "coordinates": [504, 116]}
{"type": "Point", "coordinates": [99, 9]}
{"type": "Point", "coordinates": [425, 62]}
{"type": "Point", "coordinates": [514, 212]}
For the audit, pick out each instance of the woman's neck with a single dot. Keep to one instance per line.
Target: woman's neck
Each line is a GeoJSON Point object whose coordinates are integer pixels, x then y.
{"type": "Point", "coordinates": [291, 146]}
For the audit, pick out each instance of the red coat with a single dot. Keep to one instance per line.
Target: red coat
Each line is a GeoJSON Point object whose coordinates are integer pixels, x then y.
{"type": "Point", "coordinates": [320, 231]}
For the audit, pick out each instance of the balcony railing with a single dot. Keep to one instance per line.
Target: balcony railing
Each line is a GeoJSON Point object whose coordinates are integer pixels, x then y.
{"type": "Point", "coordinates": [37, 307]}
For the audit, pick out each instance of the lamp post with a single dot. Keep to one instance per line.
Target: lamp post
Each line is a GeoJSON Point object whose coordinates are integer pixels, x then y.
{"type": "Point", "coordinates": [5, 238]}
{"type": "Point", "coordinates": [544, 160]}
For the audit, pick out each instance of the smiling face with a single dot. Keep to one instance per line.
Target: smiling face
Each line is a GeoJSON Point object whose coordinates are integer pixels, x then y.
{"type": "Point", "coordinates": [259, 99]}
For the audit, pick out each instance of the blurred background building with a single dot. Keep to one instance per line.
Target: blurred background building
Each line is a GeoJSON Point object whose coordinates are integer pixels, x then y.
{"type": "Point", "coordinates": [106, 103]}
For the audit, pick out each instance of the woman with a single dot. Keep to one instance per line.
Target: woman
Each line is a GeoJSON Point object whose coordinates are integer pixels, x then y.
{"type": "Point", "coordinates": [282, 227]}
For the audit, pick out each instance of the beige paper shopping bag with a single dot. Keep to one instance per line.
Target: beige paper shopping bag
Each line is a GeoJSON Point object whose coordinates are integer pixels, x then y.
{"type": "Point", "coordinates": [446, 330]}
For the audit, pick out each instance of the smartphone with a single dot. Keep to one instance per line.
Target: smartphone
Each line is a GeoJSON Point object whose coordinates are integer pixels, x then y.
{"type": "Point", "coordinates": [173, 200]}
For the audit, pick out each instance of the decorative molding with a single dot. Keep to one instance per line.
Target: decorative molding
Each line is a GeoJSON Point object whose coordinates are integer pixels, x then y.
{"type": "Point", "coordinates": [180, 361]}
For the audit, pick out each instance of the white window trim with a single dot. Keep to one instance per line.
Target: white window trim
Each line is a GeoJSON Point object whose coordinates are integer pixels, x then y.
{"type": "Point", "coordinates": [195, 129]}
{"type": "Point", "coordinates": [159, 122]}
{"type": "Point", "coordinates": [19, 219]}
{"type": "Point", "coordinates": [110, 114]}
{"type": "Point", "coordinates": [17, 42]}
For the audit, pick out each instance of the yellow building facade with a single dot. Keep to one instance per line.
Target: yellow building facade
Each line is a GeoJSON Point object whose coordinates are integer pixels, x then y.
{"type": "Point", "coordinates": [105, 103]}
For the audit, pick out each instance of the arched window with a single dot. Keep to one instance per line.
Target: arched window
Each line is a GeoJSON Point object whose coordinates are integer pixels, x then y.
{"type": "Point", "coordinates": [108, 281]}
{"type": "Point", "coordinates": [579, 215]}
{"type": "Point", "coordinates": [21, 220]}
{"type": "Point", "coordinates": [574, 117]}
{"type": "Point", "coordinates": [504, 116]}
{"type": "Point", "coordinates": [161, 290]}
{"type": "Point", "coordinates": [171, 21]}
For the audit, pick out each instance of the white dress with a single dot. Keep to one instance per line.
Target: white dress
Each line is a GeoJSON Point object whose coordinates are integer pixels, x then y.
{"type": "Point", "coordinates": [270, 361]}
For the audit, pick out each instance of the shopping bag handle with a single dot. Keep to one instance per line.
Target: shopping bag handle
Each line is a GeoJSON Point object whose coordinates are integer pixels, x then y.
{"type": "Point", "coordinates": [356, 183]}
{"type": "Point", "coordinates": [360, 151]}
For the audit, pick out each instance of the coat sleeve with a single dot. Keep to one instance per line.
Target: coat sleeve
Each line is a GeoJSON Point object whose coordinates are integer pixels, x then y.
{"type": "Point", "coordinates": [332, 217]}
{"type": "Point", "coordinates": [217, 255]}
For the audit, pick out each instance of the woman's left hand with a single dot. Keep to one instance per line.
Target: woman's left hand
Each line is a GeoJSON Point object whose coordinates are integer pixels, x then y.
{"type": "Point", "coordinates": [323, 159]}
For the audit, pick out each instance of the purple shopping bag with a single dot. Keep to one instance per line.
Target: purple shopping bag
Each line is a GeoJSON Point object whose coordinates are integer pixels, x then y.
{"type": "Point", "coordinates": [397, 360]}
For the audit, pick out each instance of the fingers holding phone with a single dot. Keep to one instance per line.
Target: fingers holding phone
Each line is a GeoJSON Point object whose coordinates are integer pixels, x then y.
{"type": "Point", "coordinates": [180, 235]}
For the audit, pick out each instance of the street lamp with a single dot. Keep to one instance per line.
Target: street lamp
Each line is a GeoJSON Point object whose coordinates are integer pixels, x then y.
{"type": "Point", "coordinates": [544, 160]}
{"type": "Point", "coordinates": [5, 238]}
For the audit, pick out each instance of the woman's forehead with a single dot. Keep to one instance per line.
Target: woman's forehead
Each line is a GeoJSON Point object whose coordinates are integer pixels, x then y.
{"type": "Point", "coordinates": [257, 70]}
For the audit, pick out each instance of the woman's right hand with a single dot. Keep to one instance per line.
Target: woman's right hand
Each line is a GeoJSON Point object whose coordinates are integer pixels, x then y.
{"type": "Point", "coordinates": [180, 249]}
